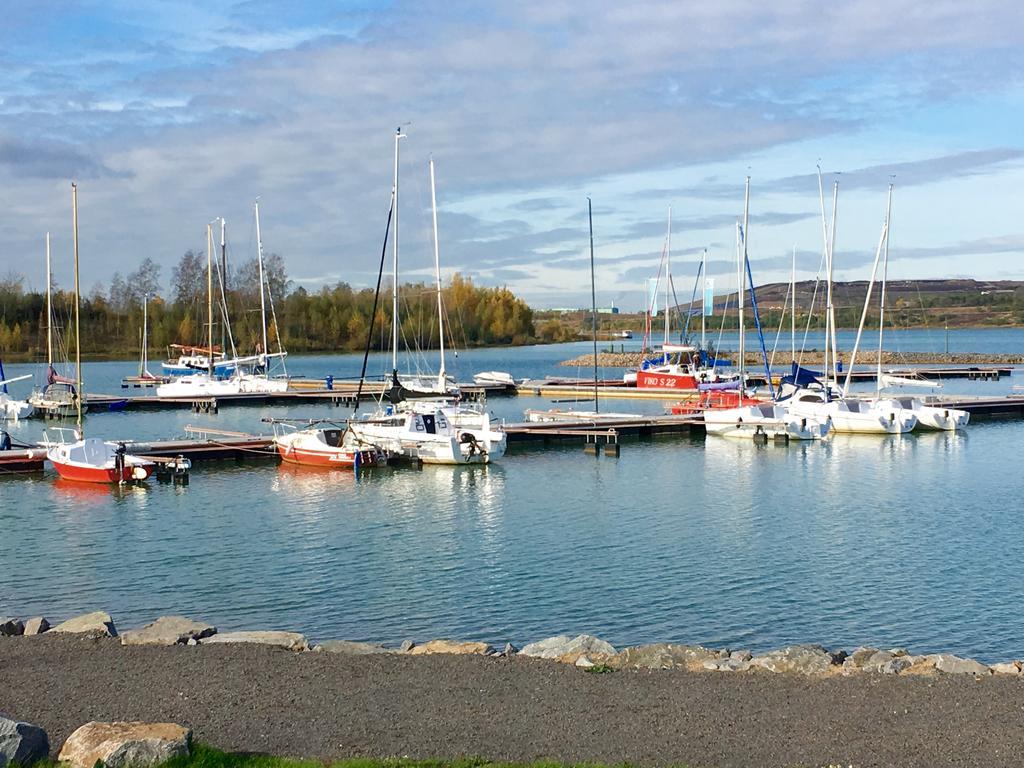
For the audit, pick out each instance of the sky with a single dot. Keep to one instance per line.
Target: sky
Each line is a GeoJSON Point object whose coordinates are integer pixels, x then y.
{"type": "Point", "coordinates": [169, 114]}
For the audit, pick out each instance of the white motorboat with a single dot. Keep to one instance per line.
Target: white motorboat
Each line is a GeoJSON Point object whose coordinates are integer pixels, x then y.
{"type": "Point", "coordinates": [10, 408]}
{"type": "Point", "coordinates": [494, 379]}
{"type": "Point", "coordinates": [770, 419]}
{"type": "Point", "coordinates": [433, 432]}
{"type": "Point", "coordinates": [878, 416]}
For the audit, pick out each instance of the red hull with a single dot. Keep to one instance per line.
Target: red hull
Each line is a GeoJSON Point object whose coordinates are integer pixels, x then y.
{"type": "Point", "coordinates": [331, 458]}
{"type": "Point", "coordinates": [83, 474]}
{"type": "Point", "coordinates": [713, 401]}
{"type": "Point", "coordinates": [674, 381]}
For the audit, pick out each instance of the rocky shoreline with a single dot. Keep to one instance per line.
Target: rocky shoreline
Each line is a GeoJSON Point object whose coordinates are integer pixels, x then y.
{"type": "Point", "coordinates": [571, 699]}
{"type": "Point", "coordinates": [816, 357]}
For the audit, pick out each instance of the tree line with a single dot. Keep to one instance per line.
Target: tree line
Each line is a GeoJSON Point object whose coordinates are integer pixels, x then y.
{"type": "Point", "coordinates": [336, 318]}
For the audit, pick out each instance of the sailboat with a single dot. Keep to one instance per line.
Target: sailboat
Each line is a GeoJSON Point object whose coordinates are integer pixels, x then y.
{"type": "Point", "coordinates": [11, 409]}
{"type": "Point", "coordinates": [810, 398]}
{"type": "Point", "coordinates": [90, 459]}
{"type": "Point", "coordinates": [257, 378]}
{"type": "Point", "coordinates": [682, 366]}
{"type": "Point", "coordinates": [757, 418]}
{"type": "Point", "coordinates": [59, 399]}
{"type": "Point", "coordinates": [434, 430]}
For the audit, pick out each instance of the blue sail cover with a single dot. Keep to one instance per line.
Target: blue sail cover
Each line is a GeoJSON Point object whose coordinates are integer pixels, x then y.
{"type": "Point", "coordinates": [801, 377]}
{"type": "Point", "coordinates": [719, 386]}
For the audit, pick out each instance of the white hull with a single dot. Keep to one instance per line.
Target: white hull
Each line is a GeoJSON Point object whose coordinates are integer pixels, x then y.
{"type": "Point", "coordinates": [494, 379]}
{"type": "Point", "coordinates": [934, 416]}
{"type": "Point", "coordinates": [201, 385]}
{"type": "Point", "coordinates": [769, 419]}
{"type": "Point", "coordinates": [14, 410]}
{"type": "Point", "coordinates": [858, 417]}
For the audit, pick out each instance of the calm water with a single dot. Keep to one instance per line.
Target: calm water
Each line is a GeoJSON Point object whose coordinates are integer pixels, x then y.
{"type": "Point", "coordinates": [908, 541]}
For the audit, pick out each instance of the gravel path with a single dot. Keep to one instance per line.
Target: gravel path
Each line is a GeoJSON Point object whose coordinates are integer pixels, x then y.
{"type": "Point", "coordinates": [249, 698]}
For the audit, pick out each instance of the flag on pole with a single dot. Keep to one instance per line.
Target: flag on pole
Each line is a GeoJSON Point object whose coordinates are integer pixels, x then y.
{"type": "Point", "coordinates": [709, 296]}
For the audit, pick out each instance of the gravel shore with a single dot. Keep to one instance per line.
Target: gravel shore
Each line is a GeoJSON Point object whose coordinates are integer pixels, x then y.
{"type": "Point", "coordinates": [255, 699]}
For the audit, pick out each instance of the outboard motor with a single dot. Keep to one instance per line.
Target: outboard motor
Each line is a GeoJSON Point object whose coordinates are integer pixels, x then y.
{"type": "Point", "coordinates": [5, 441]}
{"type": "Point", "coordinates": [119, 454]}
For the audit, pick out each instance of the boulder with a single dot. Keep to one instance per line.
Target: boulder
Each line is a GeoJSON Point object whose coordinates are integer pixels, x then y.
{"type": "Point", "coordinates": [11, 627]}
{"type": "Point", "coordinates": [96, 622]}
{"type": "Point", "coordinates": [568, 649]}
{"type": "Point", "coordinates": [798, 659]}
{"type": "Point", "coordinates": [293, 641]}
{"type": "Point", "coordinates": [855, 661]}
{"type": "Point", "coordinates": [1006, 668]}
{"type": "Point", "coordinates": [584, 662]}
{"type": "Point", "coordinates": [36, 626]}
{"type": "Point", "coordinates": [350, 648]}
{"type": "Point", "coordinates": [406, 646]}
{"type": "Point", "coordinates": [22, 743]}
{"type": "Point", "coordinates": [453, 647]}
{"type": "Point", "coordinates": [663, 656]}
{"type": "Point", "coordinates": [728, 664]}
{"type": "Point", "coordinates": [125, 745]}
{"type": "Point", "coordinates": [895, 665]}
{"type": "Point", "coordinates": [954, 665]}
{"type": "Point", "coordinates": [168, 630]}
{"type": "Point", "coordinates": [741, 655]}
{"type": "Point", "coordinates": [510, 650]}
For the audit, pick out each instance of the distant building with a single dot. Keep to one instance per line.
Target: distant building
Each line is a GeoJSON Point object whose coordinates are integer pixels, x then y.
{"type": "Point", "coordinates": [612, 310]}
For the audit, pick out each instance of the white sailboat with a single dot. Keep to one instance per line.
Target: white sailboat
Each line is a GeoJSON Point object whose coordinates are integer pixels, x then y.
{"type": "Point", "coordinates": [90, 459]}
{"type": "Point", "coordinates": [437, 430]}
{"type": "Point", "coordinates": [868, 416]}
{"type": "Point", "coordinates": [250, 374]}
{"type": "Point", "coordinates": [768, 418]}
{"type": "Point", "coordinates": [10, 408]}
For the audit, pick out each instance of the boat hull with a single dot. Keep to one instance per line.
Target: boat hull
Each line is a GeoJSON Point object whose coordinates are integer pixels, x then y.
{"type": "Point", "coordinates": [94, 461]}
{"type": "Point", "coordinates": [673, 381]}
{"type": "Point", "coordinates": [335, 457]}
{"type": "Point", "coordinates": [771, 421]}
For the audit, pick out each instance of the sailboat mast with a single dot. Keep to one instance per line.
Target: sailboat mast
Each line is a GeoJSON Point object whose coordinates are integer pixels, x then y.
{"type": "Point", "coordinates": [741, 284]}
{"type": "Point", "coordinates": [885, 274]}
{"type": "Point", "coordinates": [593, 299]}
{"type": "Point", "coordinates": [437, 274]}
{"type": "Point", "coordinates": [209, 298]}
{"type": "Point", "coordinates": [704, 301]}
{"type": "Point", "coordinates": [668, 270]}
{"type": "Point", "coordinates": [49, 310]}
{"type": "Point", "coordinates": [144, 361]}
{"type": "Point", "coordinates": [792, 318]}
{"type": "Point", "coordinates": [394, 266]}
{"type": "Point", "coordinates": [263, 294]}
{"type": "Point", "coordinates": [824, 234]}
{"type": "Point", "coordinates": [831, 305]}
{"type": "Point", "coordinates": [78, 337]}
{"type": "Point", "coordinates": [223, 285]}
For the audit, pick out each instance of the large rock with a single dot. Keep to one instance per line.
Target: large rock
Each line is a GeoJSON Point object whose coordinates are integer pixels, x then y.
{"type": "Point", "coordinates": [663, 656]}
{"type": "Point", "coordinates": [293, 641]}
{"type": "Point", "coordinates": [350, 648]}
{"type": "Point", "coordinates": [1006, 668]}
{"type": "Point", "coordinates": [125, 745]}
{"type": "Point", "coordinates": [954, 665]}
{"type": "Point", "coordinates": [22, 743]}
{"type": "Point", "coordinates": [36, 626]}
{"type": "Point", "coordinates": [799, 659]}
{"type": "Point", "coordinates": [569, 649]}
{"type": "Point", "coordinates": [451, 646]}
{"type": "Point", "coordinates": [96, 622]}
{"type": "Point", "coordinates": [168, 630]}
{"type": "Point", "coordinates": [11, 627]}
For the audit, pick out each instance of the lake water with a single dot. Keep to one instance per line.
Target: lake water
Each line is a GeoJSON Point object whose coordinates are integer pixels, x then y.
{"type": "Point", "coordinates": [911, 541]}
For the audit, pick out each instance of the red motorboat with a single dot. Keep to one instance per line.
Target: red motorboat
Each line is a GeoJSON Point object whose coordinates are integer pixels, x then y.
{"type": "Point", "coordinates": [92, 460]}
{"type": "Point", "coordinates": [326, 447]}
{"type": "Point", "coordinates": [713, 400]}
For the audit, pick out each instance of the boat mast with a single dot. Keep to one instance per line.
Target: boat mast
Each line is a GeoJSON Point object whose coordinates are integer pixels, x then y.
{"type": "Point", "coordinates": [437, 276]}
{"type": "Point", "coordinates": [885, 274]}
{"type": "Point", "coordinates": [831, 306]}
{"type": "Point", "coordinates": [144, 361]}
{"type": "Point", "coordinates": [223, 286]}
{"type": "Point", "coordinates": [209, 298]}
{"type": "Point", "coordinates": [741, 284]}
{"type": "Point", "coordinates": [263, 298]}
{"type": "Point", "coordinates": [78, 338]}
{"type": "Point", "coordinates": [704, 301]}
{"type": "Point", "coordinates": [824, 233]}
{"type": "Point", "coordinates": [593, 299]}
{"type": "Point", "coordinates": [394, 266]}
{"type": "Point", "coordinates": [668, 270]}
{"type": "Point", "coordinates": [792, 319]}
{"type": "Point", "coordinates": [49, 311]}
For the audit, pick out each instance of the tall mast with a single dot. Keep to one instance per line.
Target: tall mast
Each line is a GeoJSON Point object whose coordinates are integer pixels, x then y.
{"type": "Point", "coordinates": [824, 240]}
{"type": "Point", "coordinates": [668, 269]}
{"type": "Point", "coordinates": [209, 298]}
{"type": "Point", "coordinates": [593, 299]}
{"type": "Point", "coordinates": [223, 286]}
{"type": "Point", "coordinates": [437, 274]}
{"type": "Point", "coordinates": [704, 301]}
{"type": "Point", "coordinates": [394, 266]}
{"type": "Point", "coordinates": [742, 280]}
{"type": "Point", "coordinates": [831, 306]}
{"type": "Point", "coordinates": [49, 310]}
{"type": "Point", "coordinates": [78, 337]}
{"type": "Point", "coordinates": [885, 274]}
{"type": "Point", "coordinates": [144, 361]}
{"type": "Point", "coordinates": [792, 318]}
{"type": "Point", "coordinates": [263, 293]}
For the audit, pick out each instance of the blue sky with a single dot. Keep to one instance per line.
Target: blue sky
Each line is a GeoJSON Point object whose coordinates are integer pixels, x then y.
{"type": "Point", "coordinates": [169, 114]}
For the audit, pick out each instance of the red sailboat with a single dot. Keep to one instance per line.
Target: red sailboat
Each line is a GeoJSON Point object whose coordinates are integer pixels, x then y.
{"type": "Point", "coordinates": [83, 459]}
